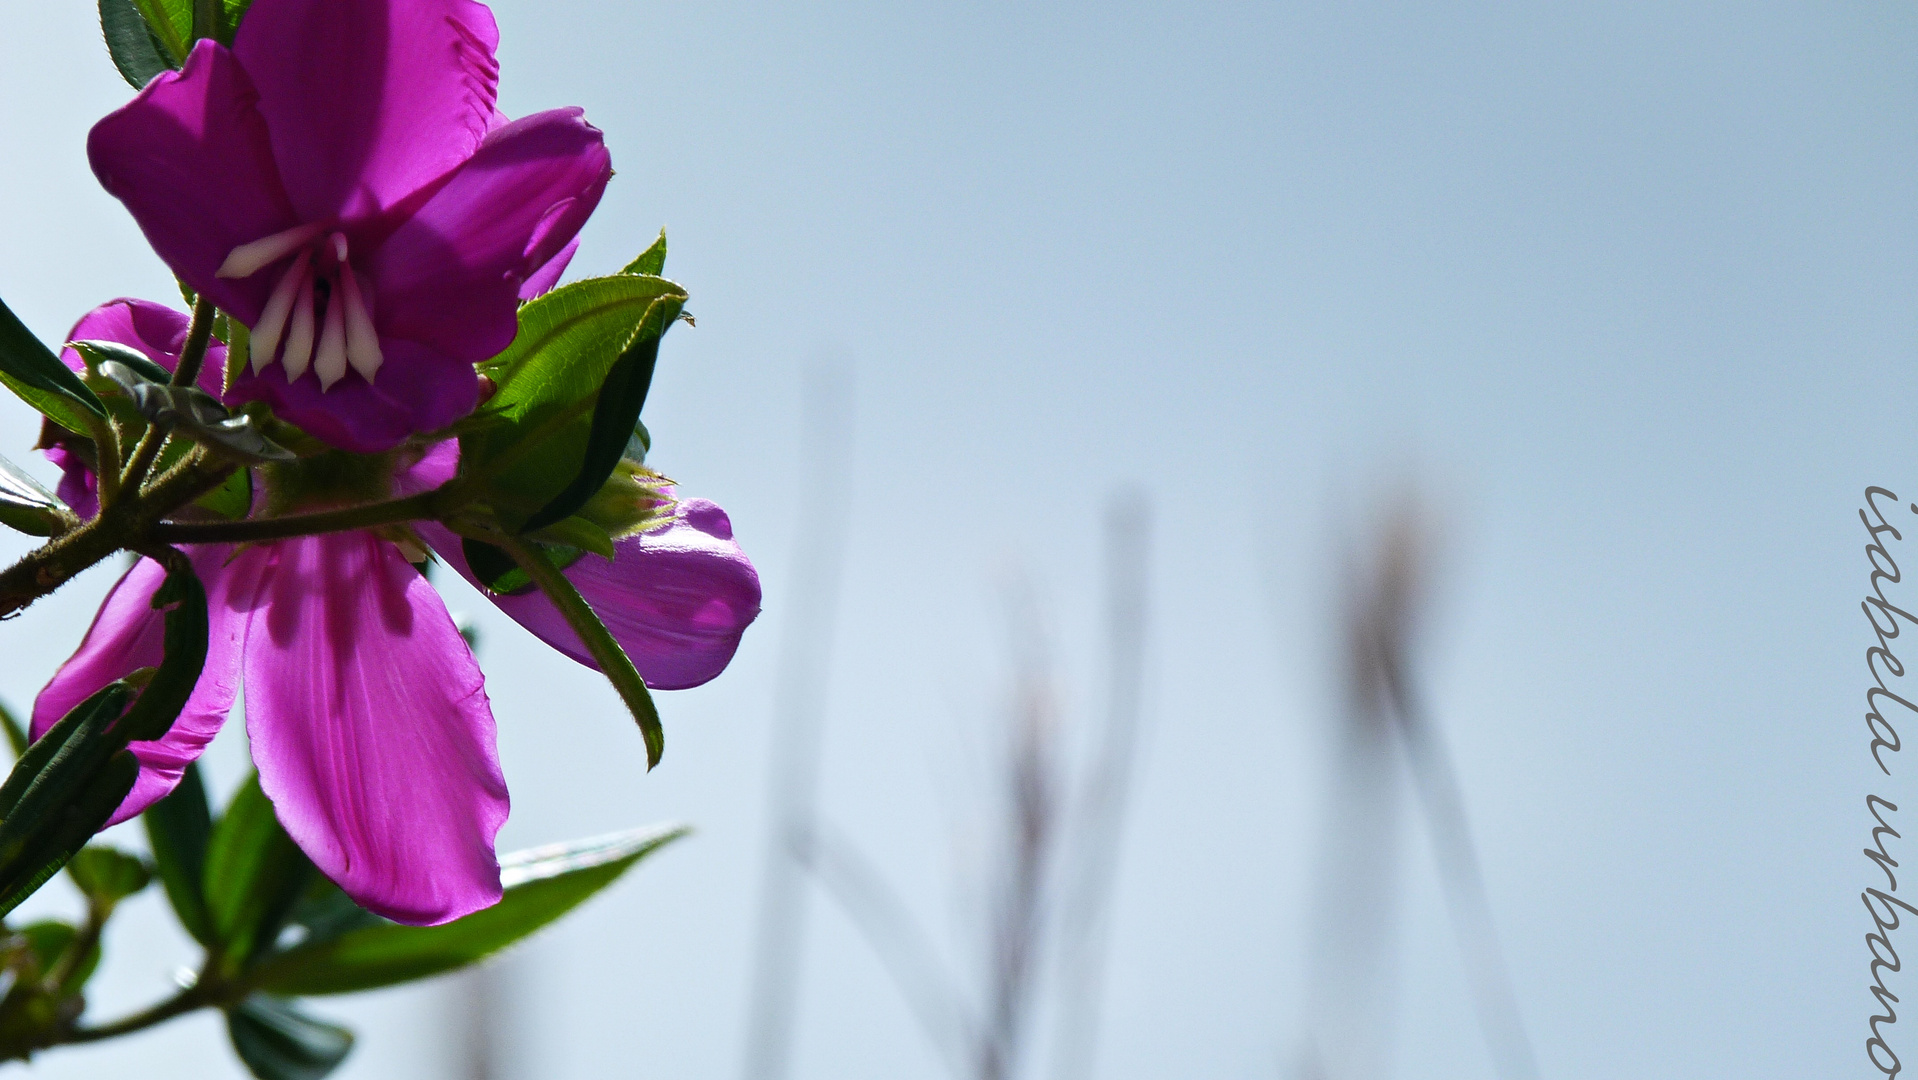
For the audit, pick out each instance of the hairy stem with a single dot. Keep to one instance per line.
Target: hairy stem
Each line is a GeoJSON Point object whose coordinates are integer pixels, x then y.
{"type": "Point", "coordinates": [126, 524]}
{"type": "Point", "coordinates": [606, 652]}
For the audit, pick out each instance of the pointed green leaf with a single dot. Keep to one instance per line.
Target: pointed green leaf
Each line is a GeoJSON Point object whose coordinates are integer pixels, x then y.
{"type": "Point", "coordinates": [98, 353]}
{"type": "Point", "coordinates": [651, 261]}
{"type": "Point", "coordinates": [535, 437]}
{"type": "Point", "coordinates": [30, 370]}
{"type": "Point", "coordinates": [178, 828]}
{"type": "Point", "coordinates": [254, 874]}
{"type": "Point", "coordinates": [27, 506]}
{"type": "Point", "coordinates": [16, 732]}
{"type": "Point", "coordinates": [279, 1042]}
{"type": "Point", "coordinates": [615, 417]}
{"type": "Point", "coordinates": [541, 885]}
{"type": "Point", "coordinates": [131, 45]}
{"type": "Point", "coordinates": [67, 830]}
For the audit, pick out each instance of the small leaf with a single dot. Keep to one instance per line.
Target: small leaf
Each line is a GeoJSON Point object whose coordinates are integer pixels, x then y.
{"type": "Point", "coordinates": [49, 939]}
{"type": "Point", "coordinates": [652, 261]}
{"type": "Point", "coordinates": [254, 874]}
{"type": "Point", "coordinates": [541, 885]}
{"type": "Point", "coordinates": [30, 370]}
{"type": "Point", "coordinates": [279, 1042]}
{"type": "Point", "coordinates": [107, 876]}
{"type": "Point", "coordinates": [98, 353]}
{"type": "Point", "coordinates": [15, 730]}
{"type": "Point", "coordinates": [577, 532]}
{"type": "Point", "coordinates": [27, 506]}
{"type": "Point", "coordinates": [615, 420]}
{"type": "Point", "coordinates": [131, 45]}
{"type": "Point", "coordinates": [178, 828]}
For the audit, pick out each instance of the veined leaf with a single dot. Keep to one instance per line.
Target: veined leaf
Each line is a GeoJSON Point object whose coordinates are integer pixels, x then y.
{"type": "Point", "coordinates": [652, 261]}
{"type": "Point", "coordinates": [178, 828]}
{"type": "Point", "coordinates": [107, 876]}
{"type": "Point", "coordinates": [535, 435]}
{"type": "Point", "coordinates": [30, 369]}
{"type": "Point", "coordinates": [541, 885]}
{"type": "Point", "coordinates": [254, 874]}
{"type": "Point", "coordinates": [172, 24]}
{"type": "Point", "coordinates": [279, 1042]}
{"type": "Point", "coordinates": [135, 51]}
{"type": "Point", "coordinates": [66, 833]}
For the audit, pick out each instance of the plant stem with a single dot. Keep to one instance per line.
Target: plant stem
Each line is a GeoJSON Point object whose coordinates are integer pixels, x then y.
{"type": "Point", "coordinates": [193, 997]}
{"type": "Point", "coordinates": [187, 373]}
{"type": "Point", "coordinates": [606, 652]}
{"type": "Point", "coordinates": [126, 524]}
{"type": "Point", "coordinates": [391, 512]}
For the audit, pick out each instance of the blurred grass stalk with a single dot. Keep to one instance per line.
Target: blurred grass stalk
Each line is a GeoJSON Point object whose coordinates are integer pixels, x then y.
{"type": "Point", "coordinates": [1349, 996]}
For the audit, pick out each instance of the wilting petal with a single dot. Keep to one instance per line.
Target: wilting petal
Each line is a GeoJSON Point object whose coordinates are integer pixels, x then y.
{"type": "Point", "coordinates": [368, 101]}
{"type": "Point", "coordinates": [371, 729]}
{"type": "Point", "coordinates": [677, 599]}
{"type": "Point", "coordinates": [417, 390]}
{"type": "Point", "coordinates": [155, 329]}
{"type": "Point", "coordinates": [543, 279]}
{"type": "Point", "coordinates": [190, 159]}
{"type": "Point", "coordinates": [450, 276]}
{"type": "Point", "coordinates": [127, 634]}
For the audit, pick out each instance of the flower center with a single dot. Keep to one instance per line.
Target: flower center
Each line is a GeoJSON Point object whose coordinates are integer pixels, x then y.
{"type": "Point", "coordinates": [319, 315]}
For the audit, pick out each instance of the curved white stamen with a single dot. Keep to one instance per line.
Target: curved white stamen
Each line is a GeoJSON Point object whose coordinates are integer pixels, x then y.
{"type": "Point", "coordinates": [266, 332]}
{"type": "Point", "coordinates": [362, 341]}
{"type": "Point", "coordinates": [249, 259]}
{"type": "Point", "coordinates": [299, 337]}
{"type": "Point", "coordinates": [339, 246]}
{"type": "Point", "coordinates": [330, 362]}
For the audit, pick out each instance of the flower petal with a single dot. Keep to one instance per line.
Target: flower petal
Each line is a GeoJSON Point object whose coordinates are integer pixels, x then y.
{"type": "Point", "coordinates": [371, 729]}
{"type": "Point", "coordinates": [369, 101]}
{"type": "Point", "coordinates": [543, 279]}
{"type": "Point", "coordinates": [127, 634]}
{"type": "Point", "coordinates": [155, 329]}
{"type": "Point", "coordinates": [79, 489]}
{"type": "Point", "coordinates": [190, 159]}
{"type": "Point", "coordinates": [677, 599]}
{"type": "Point", "coordinates": [449, 277]}
{"type": "Point", "coordinates": [418, 390]}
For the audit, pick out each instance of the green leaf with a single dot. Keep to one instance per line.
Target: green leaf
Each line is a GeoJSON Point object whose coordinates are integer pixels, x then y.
{"type": "Point", "coordinates": [615, 416]}
{"type": "Point", "coordinates": [16, 732]}
{"type": "Point", "coordinates": [49, 940]}
{"type": "Point", "coordinates": [69, 828]}
{"type": "Point", "coordinates": [131, 45]}
{"type": "Point", "coordinates": [232, 11]}
{"type": "Point", "coordinates": [541, 885]}
{"type": "Point", "coordinates": [178, 828]}
{"type": "Point", "coordinates": [172, 24]}
{"type": "Point", "coordinates": [97, 353]}
{"type": "Point", "coordinates": [577, 532]}
{"type": "Point", "coordinates": [279, 1042]}
{"type": "Point", "coordinates": [30, 370]}
{"type": "Point", "coordinates": [253, 876]}
{"type": "Point", "coordinates": [534, 438]}
{"type": "Point", "coordinates": [27, 506]}
{"type": "Point", "coordinates": [107, 876]}
{"type": "Point", "coordinates": [652, 261]}
{"type": "Point", "coordinates": [184, 639]}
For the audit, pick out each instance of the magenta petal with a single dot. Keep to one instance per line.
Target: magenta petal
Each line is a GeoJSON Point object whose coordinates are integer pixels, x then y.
{"type": "Point", "coordinates": [190, 159]}
{"type": "Point", "coordinates": [449, 277]}
{"type": "Point", "coordinates": [416, 390]}
{"type": "Point", "coordinates": [79, 489]}
{"type": "Point", "coordinates": [126, 635]}
{"type": "Point", "coordinates": [371, 729]}
{"type": "Point", "coordinates": [155, 329]}
{"type": "Point", "coordinates": [676, 599]}
{"type": "Point", "coordinates": [543, 279]}
{"type": "Point", "coordinates": [368, 101]}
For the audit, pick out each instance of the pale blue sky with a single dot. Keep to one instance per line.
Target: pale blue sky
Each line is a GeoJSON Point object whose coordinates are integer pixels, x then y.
{"type": "Point", "coordinates": [1634, 287]}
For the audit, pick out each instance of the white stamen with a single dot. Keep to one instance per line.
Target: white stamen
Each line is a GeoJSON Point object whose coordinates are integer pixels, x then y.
{"type": "Point", "coordinates": [330, 362]}
{"type": "Point", "coordinates": [266, 332]}
{"type": "Point", "coordinates": [339, 246]}
{"type": "Point", "coordinates": [299, 338]}
{"type": "Point", "coordinates": [362, 341]}
{"type": "Point", "coordinates": [249, 259]}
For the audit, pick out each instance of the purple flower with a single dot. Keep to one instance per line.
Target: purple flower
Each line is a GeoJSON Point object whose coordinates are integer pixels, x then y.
{"type": "Point", "coordinates": [367, 714]}
{"type": "Point", "coordinates": [341, 182]}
